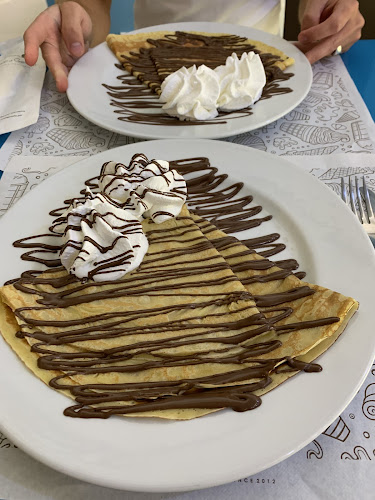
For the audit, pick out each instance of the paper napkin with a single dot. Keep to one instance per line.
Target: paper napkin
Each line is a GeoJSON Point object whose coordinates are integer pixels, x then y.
{"type": "Point", "coordinates": [20, 87]}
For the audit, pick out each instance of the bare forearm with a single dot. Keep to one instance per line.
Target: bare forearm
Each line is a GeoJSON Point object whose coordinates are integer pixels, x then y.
{"type": "Point", "coordinates": [99, 11]}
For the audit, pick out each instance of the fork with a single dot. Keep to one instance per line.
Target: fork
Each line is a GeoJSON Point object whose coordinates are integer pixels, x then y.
{"type": "Point", "coordinates": [366, 213]}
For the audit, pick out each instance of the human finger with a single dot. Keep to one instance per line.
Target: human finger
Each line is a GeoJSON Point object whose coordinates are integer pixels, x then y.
{"type": "Point", "coordinates": [341, 14]}
{"type": "Point", "coordinates": [33, 38]}
{"type": "Point", "coordinates": [67, 58]}
{"type": "Point", "coordinates": [52, 56]}
{"type": "Point", "coordinates": [76, 28]}
{"type": "Point", "coordinates": [312, 13]}
{"type": "Point", "coordinates": [303, 47]}
{"type": "Point", "coordinates": [328, 46]}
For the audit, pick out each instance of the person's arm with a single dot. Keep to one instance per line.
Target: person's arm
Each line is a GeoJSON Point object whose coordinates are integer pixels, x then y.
{"type": "Point", "coordinates": [327, 24]}
{"type": "Point", "coordinates": [64, 33]}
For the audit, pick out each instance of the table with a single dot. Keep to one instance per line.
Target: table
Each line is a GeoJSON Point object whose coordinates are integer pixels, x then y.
{"type": "Point", "coordinates": [347, 446]}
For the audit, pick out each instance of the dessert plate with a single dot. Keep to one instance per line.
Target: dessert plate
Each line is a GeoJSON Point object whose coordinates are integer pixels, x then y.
{"type": "Point", "coordinates": [154, 455]}
{"type": "Point", "coordinates": [88, 96]}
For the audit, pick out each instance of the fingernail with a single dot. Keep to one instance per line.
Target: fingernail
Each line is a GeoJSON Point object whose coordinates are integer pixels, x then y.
{"type": "Point", "coordinates": [76, 48]}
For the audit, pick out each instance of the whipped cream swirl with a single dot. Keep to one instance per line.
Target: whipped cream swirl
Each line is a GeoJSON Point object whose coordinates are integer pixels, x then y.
{"type": "Point", "coordinates": [241, 81]}
{"type": "Point", "coordinates": [100, 240]}
{"type": "Point", "coordinates": [199, 93]}
{"type": "Point", "coordinates": [191, 93]}
{"type": "Point", "coordinates": [147, 189]}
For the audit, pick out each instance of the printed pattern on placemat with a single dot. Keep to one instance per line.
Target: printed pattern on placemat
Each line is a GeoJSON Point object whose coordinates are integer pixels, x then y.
{"type": "Point", "coordinates": [325, 122]}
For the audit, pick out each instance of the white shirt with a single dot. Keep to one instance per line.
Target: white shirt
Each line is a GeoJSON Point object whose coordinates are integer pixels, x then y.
{"type": "Point", "coordinates": [265, 15]}
{"type": "Point", "coordinates": [17, 15]}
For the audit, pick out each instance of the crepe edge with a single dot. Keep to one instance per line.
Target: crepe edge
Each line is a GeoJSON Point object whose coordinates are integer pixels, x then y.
{"type": "Point", "coordinates": [119, 45]}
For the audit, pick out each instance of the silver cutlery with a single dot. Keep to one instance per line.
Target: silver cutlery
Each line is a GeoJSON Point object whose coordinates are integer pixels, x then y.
{"type": "Point", "coordinates": [359, 196]}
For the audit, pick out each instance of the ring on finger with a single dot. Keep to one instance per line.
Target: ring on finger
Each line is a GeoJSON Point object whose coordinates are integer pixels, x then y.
{"type": "Point", "coordinates": [338, 51]}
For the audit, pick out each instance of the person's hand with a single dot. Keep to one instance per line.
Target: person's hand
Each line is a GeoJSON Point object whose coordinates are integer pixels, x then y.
{"type": "Point", "coordinates": [63, 33]}
{"type": "Point", "coordinates": [327, 24]}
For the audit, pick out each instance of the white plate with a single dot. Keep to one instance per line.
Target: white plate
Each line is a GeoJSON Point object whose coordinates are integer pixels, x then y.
{"type": "Point", "coordinates": [152, 455]}
{"type": "Point", "coordinates": [91, 100]}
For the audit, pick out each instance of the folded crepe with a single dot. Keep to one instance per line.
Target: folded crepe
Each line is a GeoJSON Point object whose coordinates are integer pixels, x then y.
{"type": "Point", "coordinates": [203, 324]}
{"type": "Point", "coordinates": [269, 284]}
{"type": "Point", "coordinates": [152, 56]}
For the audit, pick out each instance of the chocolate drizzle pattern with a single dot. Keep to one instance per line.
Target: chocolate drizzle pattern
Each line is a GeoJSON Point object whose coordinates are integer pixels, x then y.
{"type": "Point", "coordinates": [136, 102]}
{"type": "Point", "coordinates": [108, 252]}
{"type": "Point", "coordinates": [237, 338]}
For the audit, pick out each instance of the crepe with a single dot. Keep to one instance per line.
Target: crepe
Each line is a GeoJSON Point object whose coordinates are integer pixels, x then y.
{"type": "Point", "coordinates": [152, 56]}
{"type": "Point", "coordinates": [323, 303]}
{"type": "Point", "coordinates": [171, 296]}
{"type": "Point", "coordinates": [188, 327]}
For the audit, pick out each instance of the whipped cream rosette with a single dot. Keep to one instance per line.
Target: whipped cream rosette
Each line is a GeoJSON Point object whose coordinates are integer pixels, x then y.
{"type": "Point", "coordinates": [241, 81]}
{"type": "Point", "coordinates": [199, 93]}
{"type": "Point", "coordinates": [147, 189]}
{"type": "Point", "coordinates": [101, 240]}
{"type": "Point", "coordinates": [191, 93]}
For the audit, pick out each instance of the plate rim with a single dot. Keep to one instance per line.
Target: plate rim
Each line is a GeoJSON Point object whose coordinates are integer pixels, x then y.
{"type": "Point", "coordinates": [102, 481]}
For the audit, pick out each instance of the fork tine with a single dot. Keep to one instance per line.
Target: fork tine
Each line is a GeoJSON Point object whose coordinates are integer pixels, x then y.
{"type": "Point", "coordinates": [370, 212]}
{"type": "Point", "coordinates": [352, 198]}
{"type": "Point", "coordinates": [360, 204]}
{"type": "Point", "coordinates": [344, 193]}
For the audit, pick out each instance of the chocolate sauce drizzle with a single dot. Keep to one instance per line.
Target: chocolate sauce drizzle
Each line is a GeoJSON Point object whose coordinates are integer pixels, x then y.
{"type": "Point", "coordinates": [135, 102]}
{"type": "Point", "coordinates": [236, 340]}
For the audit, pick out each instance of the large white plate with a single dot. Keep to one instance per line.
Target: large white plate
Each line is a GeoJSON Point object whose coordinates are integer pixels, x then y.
{"type": "Point", "coordinates": [90, 98]}
{"type": "Point", "coordinates": [152, 455]}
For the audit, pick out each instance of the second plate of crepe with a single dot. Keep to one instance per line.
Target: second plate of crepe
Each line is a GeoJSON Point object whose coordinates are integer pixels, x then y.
{"type": "Point", "coordinates": [100, 67]}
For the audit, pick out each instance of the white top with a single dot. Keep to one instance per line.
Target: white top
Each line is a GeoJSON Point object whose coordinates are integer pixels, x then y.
{"type": "Point", "coordinates": [265, 15]}
{"type": "Point", "coordinates": [17, 15]}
